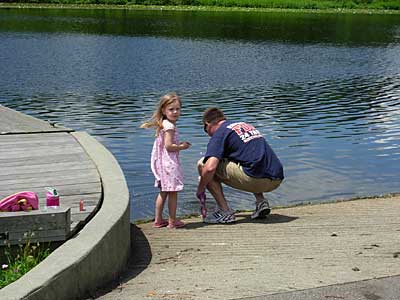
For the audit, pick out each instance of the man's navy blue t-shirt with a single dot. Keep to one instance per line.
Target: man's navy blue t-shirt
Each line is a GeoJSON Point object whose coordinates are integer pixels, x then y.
{"type": "Point", "coordinates": [242, 143]}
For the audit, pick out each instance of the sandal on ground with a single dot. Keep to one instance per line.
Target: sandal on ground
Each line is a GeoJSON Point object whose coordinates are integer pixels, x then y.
{"type": "Point", "coordinates": [176, 224]}
{"type": "Point", "coordinates": [161, 224]}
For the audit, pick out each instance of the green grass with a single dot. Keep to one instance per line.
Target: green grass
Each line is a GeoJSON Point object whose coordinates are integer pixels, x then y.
{"type": "Point", "coordinates": [269, 4]}
{"type": "Point", "coordinates": [25, 258]}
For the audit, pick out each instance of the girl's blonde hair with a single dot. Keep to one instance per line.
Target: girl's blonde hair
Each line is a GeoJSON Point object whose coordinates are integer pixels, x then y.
{"type": "Point", "coordinates": [158, 117]}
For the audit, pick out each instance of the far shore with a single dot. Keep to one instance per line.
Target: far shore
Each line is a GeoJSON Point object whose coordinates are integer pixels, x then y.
{"type": "Point", "coordinates": [193, 8]}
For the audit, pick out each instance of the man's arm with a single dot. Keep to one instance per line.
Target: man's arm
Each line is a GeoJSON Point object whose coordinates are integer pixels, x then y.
{"type": "Point", "coordinates": [207, 173]}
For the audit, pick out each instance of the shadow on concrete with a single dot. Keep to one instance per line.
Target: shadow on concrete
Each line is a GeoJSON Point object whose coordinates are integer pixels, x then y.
{"type": "Point", "coordinates": [270, 219]}
{"type": "Point", "coordinates": [139, 260]}
{"type": "Point", "coordinates": [140, 254]}
{"type": "Point", "coordinates": [245, 218]}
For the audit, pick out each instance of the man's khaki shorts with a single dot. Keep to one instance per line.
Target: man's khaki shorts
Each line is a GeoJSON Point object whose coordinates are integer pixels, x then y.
{"type": "Point", "coordinates": [232, 174]}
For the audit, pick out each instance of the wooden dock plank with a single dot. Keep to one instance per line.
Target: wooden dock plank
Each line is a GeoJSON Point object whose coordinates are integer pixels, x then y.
{"type": "Point", "coordinates": [61, 176]}
{"type": "Point", "coordinates": [64, 190]}
{"type": "Point", "coordinates": [37, 139]}
{"type": "Point", "coordinates": [35, 155]}
{"type": "Point", "coordinates": [16, 122]}
{"type": "Point", "coordinates": [34, 137]}
{"type": "Point", "coordinates": [36, 225]}
{"type": "Point", "coordinates": [43, 160]}
{"type": "Point", "coordinates": [50, 151]}
{"type": "Point", "coordinates": [41, 168]}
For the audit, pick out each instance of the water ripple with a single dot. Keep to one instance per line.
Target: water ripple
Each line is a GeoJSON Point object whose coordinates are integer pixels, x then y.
{"type": "Point", "coordinates": [324, 90]}
{"type": "Point", "coordinates": [336, 138]}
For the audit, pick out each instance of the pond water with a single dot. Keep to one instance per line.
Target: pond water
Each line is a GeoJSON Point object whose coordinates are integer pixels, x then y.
{"type": "Point", "coordinates": [323, 89]}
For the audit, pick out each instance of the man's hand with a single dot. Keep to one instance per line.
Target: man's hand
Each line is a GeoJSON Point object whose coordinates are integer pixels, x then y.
{"type": "Point", "coordinates": [200, 193]}
{"type": "Point", "coordinates": [202, 200]}
{"type": "Point", "coordinates": [207, 174]}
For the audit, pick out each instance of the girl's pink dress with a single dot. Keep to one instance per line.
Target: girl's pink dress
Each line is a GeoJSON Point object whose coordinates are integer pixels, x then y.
{"type": "Point", "coordinates": [164, 164]}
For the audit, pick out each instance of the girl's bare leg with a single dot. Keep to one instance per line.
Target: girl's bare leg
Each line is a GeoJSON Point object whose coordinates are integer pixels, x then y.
{"type": "Point", "coordinates": [172, 205]}
{"type": "Point", "coordinates": [160, 200]}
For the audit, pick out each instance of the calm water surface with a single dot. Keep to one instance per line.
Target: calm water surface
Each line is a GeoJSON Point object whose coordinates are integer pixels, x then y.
{"type": "Point", "coordinates": [324, 90]}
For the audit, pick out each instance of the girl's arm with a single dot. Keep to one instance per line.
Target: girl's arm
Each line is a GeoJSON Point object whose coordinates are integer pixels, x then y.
{"type": "Point", "coordinates": [170, 146]}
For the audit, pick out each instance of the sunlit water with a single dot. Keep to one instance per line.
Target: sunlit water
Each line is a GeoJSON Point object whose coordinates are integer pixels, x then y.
{"type": "Point", "coordinates": [328, 101]}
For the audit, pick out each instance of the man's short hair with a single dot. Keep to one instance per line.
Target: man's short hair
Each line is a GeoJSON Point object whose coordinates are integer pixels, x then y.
{"type": "Point", "coordinates": [213, 115]}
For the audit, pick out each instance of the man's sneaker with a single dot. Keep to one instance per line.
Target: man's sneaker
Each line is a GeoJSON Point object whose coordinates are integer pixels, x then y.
{"type": "Point", "coordinates": [220, 216]}
{"type": "Point", "coordinates": [262, 210]}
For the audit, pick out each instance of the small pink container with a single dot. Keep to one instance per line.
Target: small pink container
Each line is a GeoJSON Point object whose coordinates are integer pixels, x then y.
{"type": "Point", "coordinates": [52, 198]}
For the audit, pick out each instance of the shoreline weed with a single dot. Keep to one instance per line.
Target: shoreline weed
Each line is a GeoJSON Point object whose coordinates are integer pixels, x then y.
{"type": "Point", "coordinates": [296, 5]}
{"type": "Point", "coordinates": [25, 258]}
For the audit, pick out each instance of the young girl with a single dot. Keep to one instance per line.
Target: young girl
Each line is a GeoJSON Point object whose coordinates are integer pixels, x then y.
{"type": "Point", "coordinates": [165, 158]}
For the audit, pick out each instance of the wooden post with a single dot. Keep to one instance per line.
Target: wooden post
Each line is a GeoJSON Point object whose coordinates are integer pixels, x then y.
{"type": "Point", "coordinates": [44, 225]}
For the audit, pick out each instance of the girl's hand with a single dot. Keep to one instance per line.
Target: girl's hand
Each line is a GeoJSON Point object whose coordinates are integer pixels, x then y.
{"type": "Point", "coordinates": [185, 145]}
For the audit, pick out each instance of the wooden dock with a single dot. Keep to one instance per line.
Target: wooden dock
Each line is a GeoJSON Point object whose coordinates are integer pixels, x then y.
{"type": "Point", "coordinates": [35, 154]}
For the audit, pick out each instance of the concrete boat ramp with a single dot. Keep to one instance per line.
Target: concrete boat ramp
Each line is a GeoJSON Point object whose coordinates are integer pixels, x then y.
{"type": "Point", "coordinates": [326, 251]}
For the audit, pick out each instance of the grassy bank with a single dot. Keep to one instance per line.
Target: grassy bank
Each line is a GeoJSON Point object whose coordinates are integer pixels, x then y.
{"type": "Point", "coordinates": [373, 5]}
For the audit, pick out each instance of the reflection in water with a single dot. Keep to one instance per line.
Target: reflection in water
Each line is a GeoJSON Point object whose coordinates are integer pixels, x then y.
{"type": "Point", "coordinates": [325, 99]}
{"type": "Point", "coordinates": [293, 27]}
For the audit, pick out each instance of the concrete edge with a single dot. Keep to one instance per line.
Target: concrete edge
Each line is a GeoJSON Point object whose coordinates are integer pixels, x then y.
{"type": "Point", "coordinates": [97, 254]}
